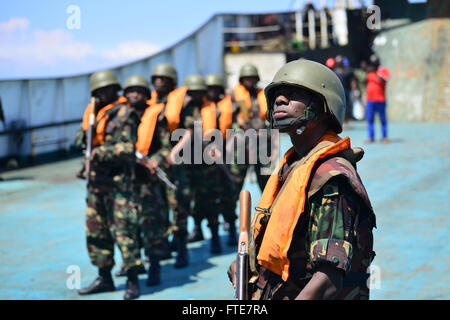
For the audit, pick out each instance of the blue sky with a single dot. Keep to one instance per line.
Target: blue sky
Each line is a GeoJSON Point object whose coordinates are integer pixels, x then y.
{"type": "Point", "coordinates": [36, 42]}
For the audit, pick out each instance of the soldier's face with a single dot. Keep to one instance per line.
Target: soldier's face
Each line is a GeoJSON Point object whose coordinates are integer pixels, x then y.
{"type": "Point", "coordinates": [196, 95]}
{"type": "Point", "coordinates": [290, 102]}
{"type": "Point", "coordinates": [136, 96]}
{"type": "Point", "coordinates": [214, 92]}
{"type": "Point", "coordinates": [249, 82]}
{"type": "Point", "coordinates": [162, 84]}
{"type": "Point", "coordinates": [106, 95]}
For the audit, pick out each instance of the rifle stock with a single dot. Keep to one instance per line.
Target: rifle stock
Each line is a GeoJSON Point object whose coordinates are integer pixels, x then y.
{"type": "Point", "coordinates": [242, 260]}
{"type": "Point", "coordinates": [89, 140]}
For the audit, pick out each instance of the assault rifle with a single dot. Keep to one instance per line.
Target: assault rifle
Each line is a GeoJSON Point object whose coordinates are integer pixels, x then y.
{"type": "Point", "coordinates": [159, 172]}
{"type": "Point", "coordinates": [242, 260]}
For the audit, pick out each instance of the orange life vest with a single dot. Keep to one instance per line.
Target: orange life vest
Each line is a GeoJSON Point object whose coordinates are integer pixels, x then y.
{"type": "Point", "coordinates": [147, 127]}
{"type": "Point", "coordinates": [101, 120]}
{"type": "Point", "coordinates": [225, 107]}
{"type": "Point", "coordinates": [242, 94]}
{"type": "Point", "coordinates": [287, 202]}
{"type": "Point", "coordinates": [173, 107]}
{"type": "Point", "coordinates": [208, 113]}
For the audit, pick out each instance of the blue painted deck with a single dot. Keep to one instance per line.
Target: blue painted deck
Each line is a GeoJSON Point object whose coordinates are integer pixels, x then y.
{"type": "Point", "coordinates": [42, 226]}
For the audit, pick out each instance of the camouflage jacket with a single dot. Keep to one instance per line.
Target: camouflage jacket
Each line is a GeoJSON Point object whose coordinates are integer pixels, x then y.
{"type": "Point", "coordinates": [337, 230]}
{"type": "Point", "coordinates": [159, 149]}
{"type": "Point", "coordinates": [114, 161]}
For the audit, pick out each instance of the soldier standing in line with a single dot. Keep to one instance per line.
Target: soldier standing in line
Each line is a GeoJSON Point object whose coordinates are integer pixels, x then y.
{"type": "Point", "coordinates": [155, 147]}
{"type": "Point", "coordinates": [111, 213]}
{"type": "Point", "coordinates": [164, 79]}
{"type": "Point", "coordinates": [197, 108]}
{"type": "Point", "coordinates": [312, 231]}
{"type": "Point", "coordinates": [224, 190]}
{"type": "Point", "coordinates": [251, 114]}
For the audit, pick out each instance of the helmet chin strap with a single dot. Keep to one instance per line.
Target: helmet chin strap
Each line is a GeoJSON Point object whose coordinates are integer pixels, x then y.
{"type": "Point", "coordinates": [286, 125]}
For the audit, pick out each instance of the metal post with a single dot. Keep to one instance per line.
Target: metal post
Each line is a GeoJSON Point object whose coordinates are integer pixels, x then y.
{"type": "Point", "coordinates": [299, 25]}
{"type": "Point", "coordinates": [312, 29]}
{"type": "Point", "coordinates": [323, 29]}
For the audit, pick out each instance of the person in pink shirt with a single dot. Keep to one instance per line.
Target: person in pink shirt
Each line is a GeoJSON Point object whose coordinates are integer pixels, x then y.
{"type": "Point", "coordinates": [376, 98]}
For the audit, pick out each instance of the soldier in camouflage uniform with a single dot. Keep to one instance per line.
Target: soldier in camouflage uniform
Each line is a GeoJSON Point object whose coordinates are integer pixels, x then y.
{"type": "Point", "coordinates": [312, 232]}
{"type": "Point", "coordinates": [164, 79]}
{"type": "Point", "coordinates": [152, 213]}
{"type": "Point", "coordinates": [226, 189]}
{"type": "Point", "coordinates": [247, 96]}
{"type": "Point", "coordinates": [111, 212]}
{"type": "Point", "coordinates": [199, 175]}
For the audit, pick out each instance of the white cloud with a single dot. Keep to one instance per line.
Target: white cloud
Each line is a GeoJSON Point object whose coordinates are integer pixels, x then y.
{"type": "Point", "coordinates": [22, 45]}
{"type": "Point", "coordinates": [14, 24]}
{"type": "Point", "coordinates": [25, 48]}
{"type": "Point", "coordinates": [131, 50]}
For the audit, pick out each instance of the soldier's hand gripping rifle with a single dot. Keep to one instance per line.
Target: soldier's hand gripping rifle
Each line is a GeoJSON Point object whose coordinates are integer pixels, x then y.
{"type": "Point", "coordinates": [159, 172]}
{"type": "Point", "coordinates": [89, 140]}
{"type": "Point", "coordinates": [242, 260]}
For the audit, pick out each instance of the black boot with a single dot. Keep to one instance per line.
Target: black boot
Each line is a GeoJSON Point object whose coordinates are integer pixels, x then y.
{"type": "Point", "coordinates": [132, 290]}
{"type": "Point", "coordinates": [216, 247]}
{"type": "Point", "coordinates": [103, 283]}
{"type": "Point", "coordinates": [123, 273]}
{"type": "Point", "coordinates": [196, 235]}
{"type": "Point", "coordinates": [232, 241]}
{"type": "Point", "coordinates": [182, 252]}
{"type": "Point", "coordinates": [154, 272]}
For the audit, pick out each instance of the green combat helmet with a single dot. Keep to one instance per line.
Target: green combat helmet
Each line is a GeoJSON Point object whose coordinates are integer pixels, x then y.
{"type": "Point", "coordinates": [194, 82]}
{"type": "Point", "coordinates": [213, 80]}
{"type": "Point", "coordinates": [137, 80]}
{"type": "Point", "coordinates": [314, 77]}
{"type": "Point", "coordinates": [104, 78]}
{"type": "Point", "coordinates": [165, 70]}
{"type": "Point", "coordinates": [248, 70]}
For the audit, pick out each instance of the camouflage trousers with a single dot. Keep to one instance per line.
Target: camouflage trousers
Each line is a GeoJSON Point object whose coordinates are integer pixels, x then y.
{"type": "Point", "coordinates": [205, 184]}
{"type": "Point", "coordinates": [239, 171]}
{"type": "Point", "coordinates": [225, 189]}
{"type": "Point", "coordinates": [152, 216]}
{"type": "Point", "coordinates": [111, 217]}
{"type": "Point", "coordinates": [178, 200]}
